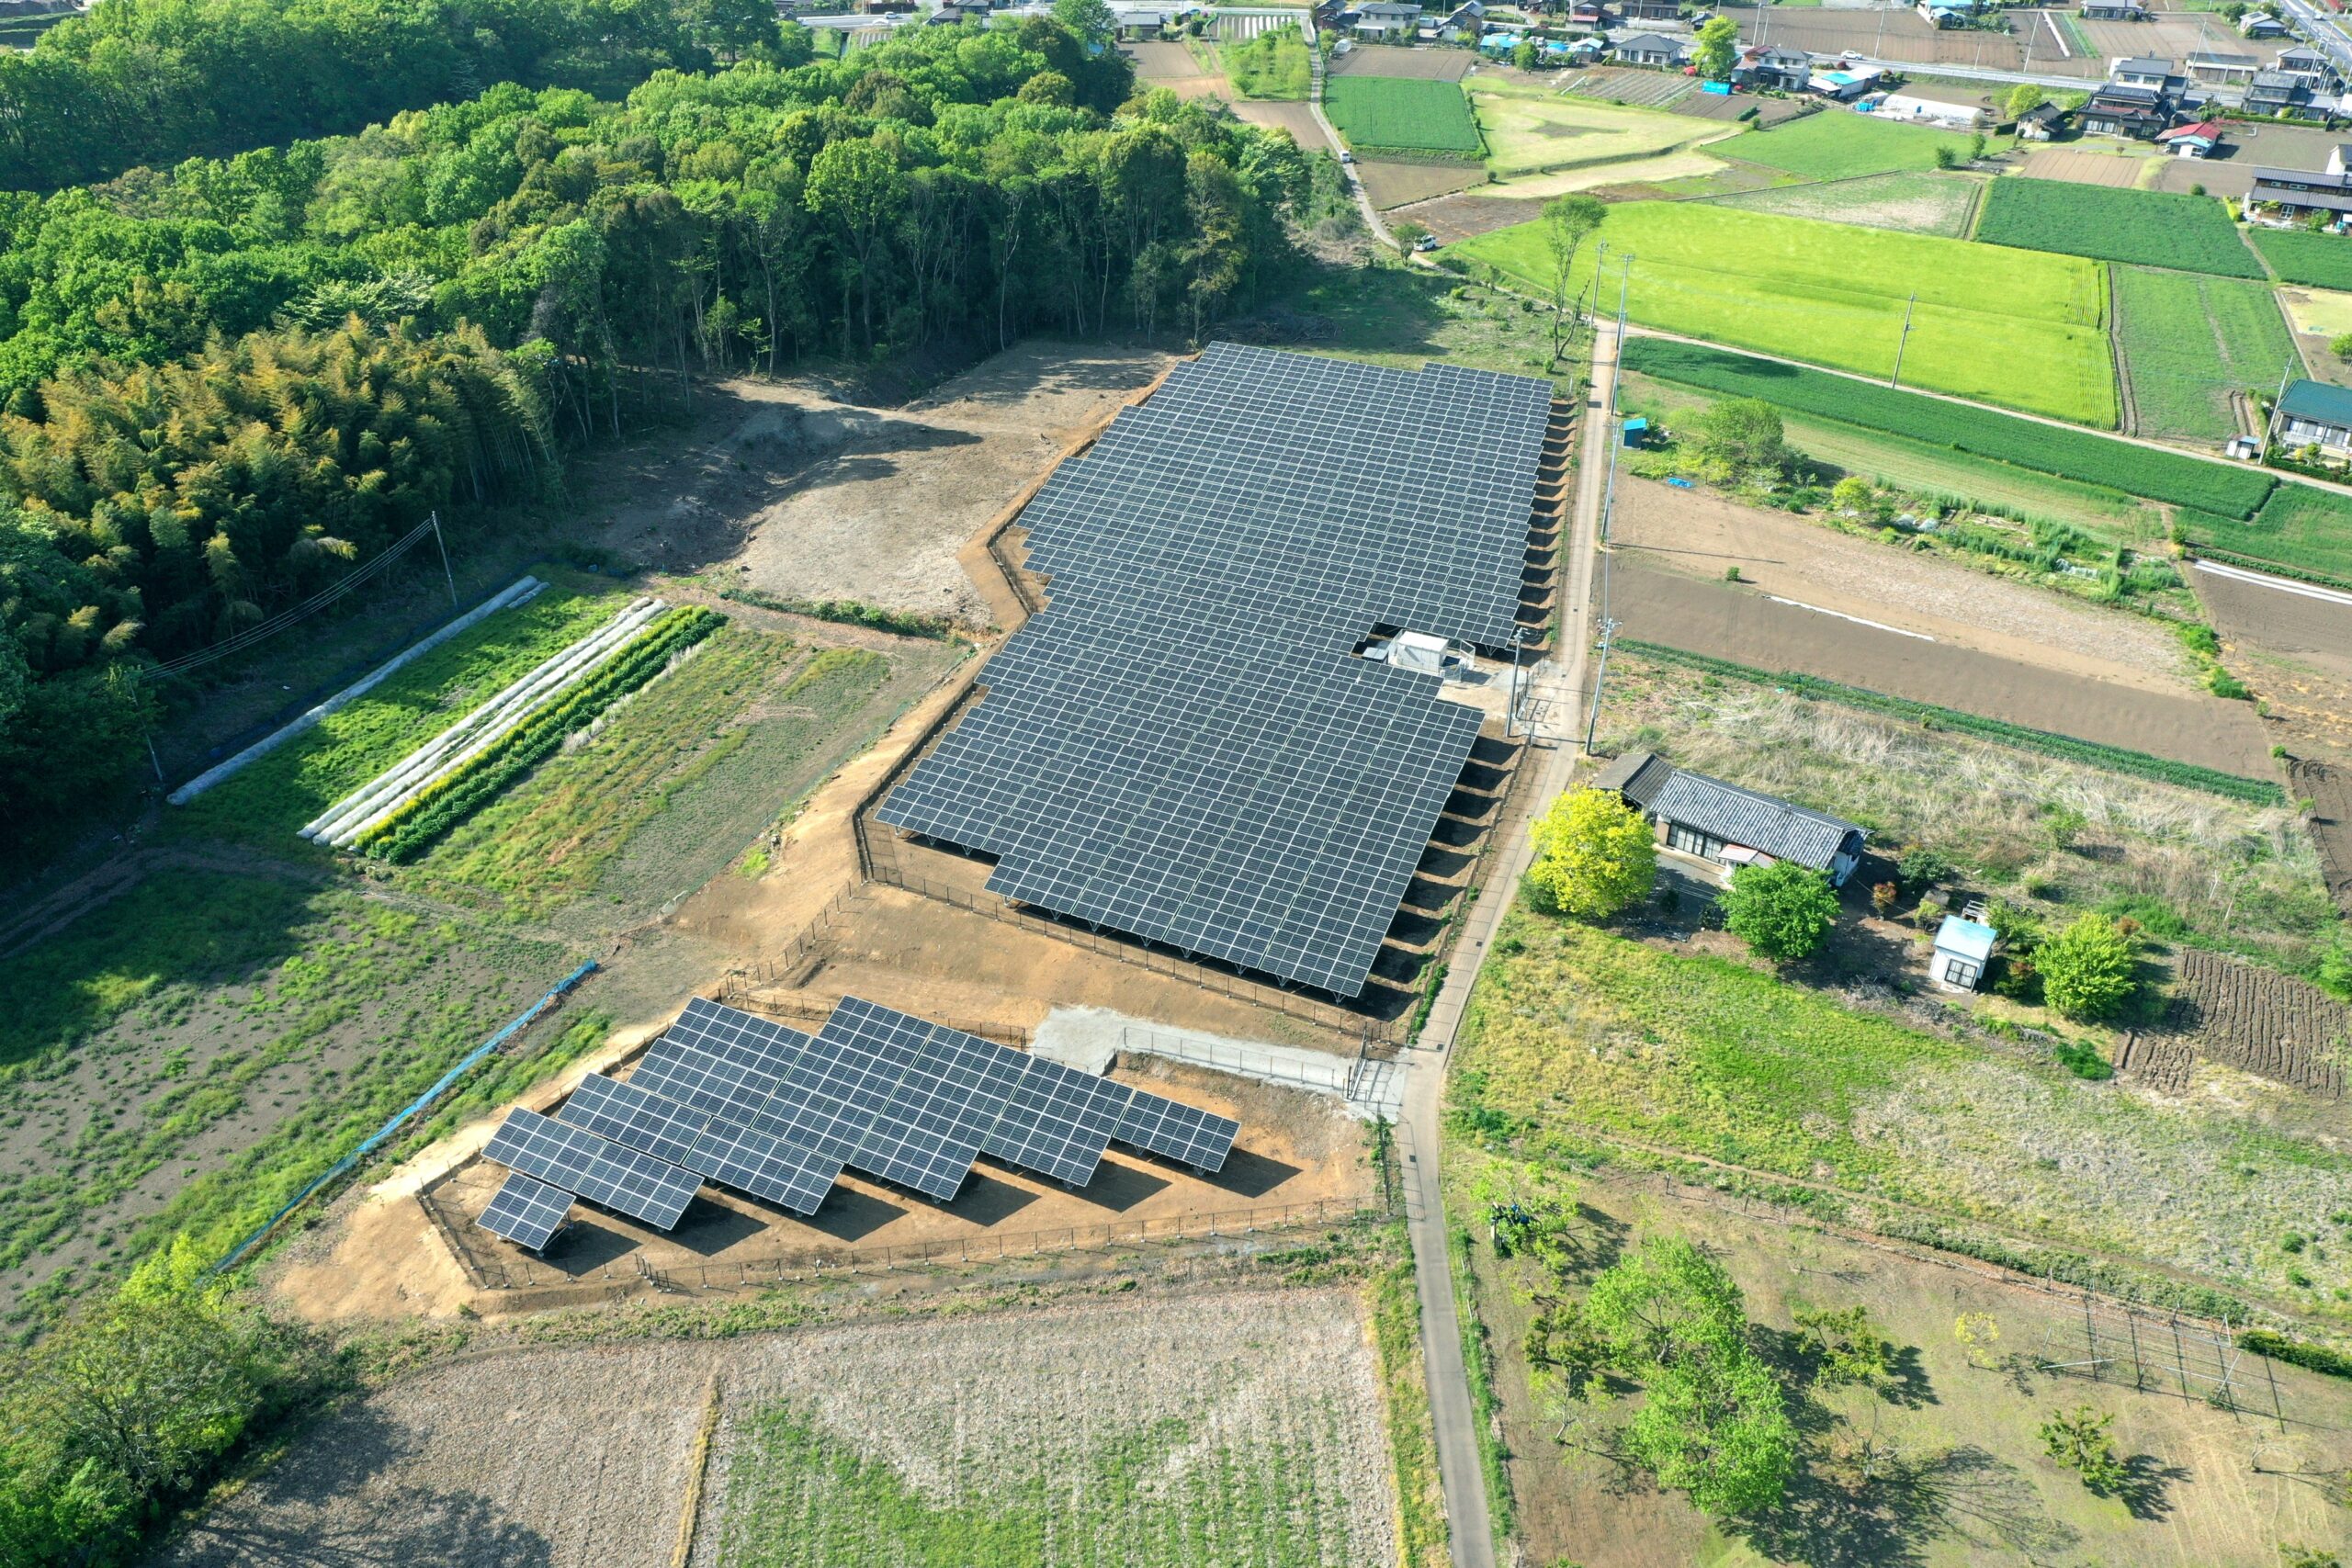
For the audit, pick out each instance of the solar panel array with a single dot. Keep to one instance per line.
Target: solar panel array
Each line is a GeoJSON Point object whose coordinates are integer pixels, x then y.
{"type": "Point", "coordinates": [731, 1097]}
{"type": "Point", "coordinates": [1182, 745]}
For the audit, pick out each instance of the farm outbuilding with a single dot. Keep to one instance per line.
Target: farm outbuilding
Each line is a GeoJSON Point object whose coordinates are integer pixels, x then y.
{"type": "Point", "coordinates": [1963, 948]}
{"type": "Point", "coordinates": [1722, 826]}
{"type": "Point", "coordinates": [2200, 140]}
{"type": "Point", "coordinates": [1947, 110]}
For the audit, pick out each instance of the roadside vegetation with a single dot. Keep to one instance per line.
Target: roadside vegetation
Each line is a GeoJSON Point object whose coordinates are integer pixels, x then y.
{"type": "Point", "coordinates": [2303, 530]}
{"type": "Point", "coordinates": [2192, 234]}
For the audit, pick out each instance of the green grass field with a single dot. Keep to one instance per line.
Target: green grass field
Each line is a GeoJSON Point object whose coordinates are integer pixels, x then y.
{"type": "Point", "coordinates": [2188, 340]}
{"type": "Point", "coordinates": [1834, 146]}
{"type": "Point", "coordinates": [2191, 233]}
{"type": "Point", "coordinates": [2319, 261]}
{"type": "Point", "coordinates": [2007, 326]}
{"type": "Point", "coordinates": [2075, 454]}
{"type": "Point", "coordinates": [1573, 1028]}
{"type": "Point", "coordinates": [1412, 115]}
{"type": "Point", "coordinates": [2304, 529]}
{"type": "Point", "coordinates": [1531, 128]}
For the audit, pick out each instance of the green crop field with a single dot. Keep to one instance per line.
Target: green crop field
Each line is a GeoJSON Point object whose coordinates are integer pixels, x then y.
{"type": "Point", "coordinates": [1833, 146]}
{"type": "Point", "coordinates": [2069, 454]}
{"type": "Point", "coordinates": [2188, 340]}
{"type": "Point", "coordinates": [2008, 326]}
{"type": "Point", "coordinates": [1413, 116]}
{"type": "Point", "coordinates": [2192, 234]}
{"type": "Point", "coordinates": [2319, 261]}
{"type": "Point", "coordinates": [2305, 530]}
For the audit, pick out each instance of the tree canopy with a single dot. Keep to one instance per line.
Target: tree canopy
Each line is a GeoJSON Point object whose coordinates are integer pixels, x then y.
{"type": "Point", "coordinates": [2088, 969]}
{"type": "Point", "coordinates": [1594, 854]}
{"type": "Point", "coordinates": [1782, 910]}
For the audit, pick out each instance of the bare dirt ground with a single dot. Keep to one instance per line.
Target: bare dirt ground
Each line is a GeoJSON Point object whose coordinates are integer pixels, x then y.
{"type": "Point", "coordinates": [383, 1258]}
{"type": "Point", "coordinates": [1909, 37]}
{"type": "Point", "coordinates": [1739, 623]}
{"type": "Point", "coordinates": [2233, 177]}
{"type": "Point", "coordinates": [2273, 1025]}
{"type": "Point", "coordinates": [1978, 1490]}
{"type": "Point", "coordinates": [1173, 66]}
{"type": "Point", "coordinates": [1296, 119]}
{"type": "Point", "coordinates": [583, 1456]}
{"type": "Point", "coordinates": [1394, 184]}
{"type": "Point", "coordinates": [1700, 535]}
{"type": "Point", "coordinates": [2328, 787]}
{"type": "Point", "coordinates": [1395, 60]}
{"type": "Point", "coordinates": [1456, 217]}
{"type": "Point", "coordinates": [871, 504]}
{"type": "Point", "coordinates": [2084, 168]}
{"type": "Point", "coordinates": [2296, 652]}
{"type": "Point", "coordinates": [2175, 35]}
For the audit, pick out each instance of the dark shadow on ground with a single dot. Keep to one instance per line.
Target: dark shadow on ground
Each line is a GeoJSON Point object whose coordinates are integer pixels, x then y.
{"type": "Point", "coordinates": [1119, 1187]}
{"type": "Point", "coordinates": [851, 1216]}
{"type": "Point", "coordinates": [1248, 1175]}
{"type": "Point", "coordinates": [985, 1200]}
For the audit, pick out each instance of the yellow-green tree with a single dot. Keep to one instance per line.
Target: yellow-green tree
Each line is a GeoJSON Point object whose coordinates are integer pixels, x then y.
{"type": "Point", "coordinates": [1594, 854]}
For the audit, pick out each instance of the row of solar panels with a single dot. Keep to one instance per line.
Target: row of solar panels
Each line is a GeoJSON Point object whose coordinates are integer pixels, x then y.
{"type": "Point", "coordinates": [730, 1098]}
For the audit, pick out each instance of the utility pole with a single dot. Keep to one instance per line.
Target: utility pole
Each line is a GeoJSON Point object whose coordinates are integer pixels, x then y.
{"type": "Point", "coordinates": [1598, 256]}
{"type": "Point", "coordinates": [1896, 378]}
{"type": "Point", "coordinates": [447, 576]}
{"type": "Point", "coordinates": [1616, 432]}
{"type": "Point", "coordinates": [2271, 425]}
{"type": "Point", "coordinates": [1592, 710]}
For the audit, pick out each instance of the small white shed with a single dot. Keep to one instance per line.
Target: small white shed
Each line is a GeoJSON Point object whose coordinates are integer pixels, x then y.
{"type": "Point", "coordinates": [1963, 947]}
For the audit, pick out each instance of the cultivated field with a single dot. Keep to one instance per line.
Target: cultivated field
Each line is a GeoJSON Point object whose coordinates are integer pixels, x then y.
{"type": "Point", "coordinates": [1531, 130]}
{"type": "Point", "coordinates": [2301, 528]}
{"type": "Point", "coordinates": [2008, 326]}
{"type": "Point", "coordinates": [1175, 67]}
{"type": "Point", "coordinates": [2082, 166]}
{"type": "Point", "coordinates": [2273, 1025]}
{"type": "Point", "coordinates": [2190, 340]}
{"type": "Point", "coordinates": [1240, 1429]}
{"type": "Point", "coordinates": [1397, 184]}
{"type": "Point", "coordinates": [2192, 234]}
{"type": "Point", "coordinates": [1961, 1476]}
{"type": "Point", "coordinates": [1406, 114]}
{"type": "Point", "coordinates": [1271, 65]}
{"type": "Point", "coordinates": [1934, 204]}
{"type": "Point", "coordinates": [2311, 259]}
{"type": "Point", "coordinates": [1641, 89]}
{"type": "Point", "coordinates": [1839, 146]}
{"type": "Point", "coordinates": [1396, 60]}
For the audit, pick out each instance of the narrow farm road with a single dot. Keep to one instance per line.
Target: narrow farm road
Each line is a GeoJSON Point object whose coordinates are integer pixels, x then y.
{"type": "Point", "coordinates": [1331, 134]}
{"type": "Point", "coordinates": [1557, 691]}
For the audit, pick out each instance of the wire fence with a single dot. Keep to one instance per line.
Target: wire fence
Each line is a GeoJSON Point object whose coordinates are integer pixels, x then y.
{"type": "Point", "coordinates": [506, 1268]}
{"type": "Point", "coordinates": [1332, 1075]}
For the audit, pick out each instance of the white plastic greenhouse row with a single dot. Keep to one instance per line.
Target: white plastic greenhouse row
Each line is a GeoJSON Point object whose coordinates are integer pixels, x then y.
{"type": "Point", "coordinates": [374, 803]}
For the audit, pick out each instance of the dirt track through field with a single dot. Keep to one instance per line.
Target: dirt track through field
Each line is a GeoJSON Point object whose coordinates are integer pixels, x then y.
{"type": "Point", "coordinates": [1739, 623]}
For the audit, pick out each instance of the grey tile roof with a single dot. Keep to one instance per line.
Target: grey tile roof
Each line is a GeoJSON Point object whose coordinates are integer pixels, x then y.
{"type": "Point", "coordinates": [1636, 776]}
{"type": "Point", "coordinates": [1778, 827]}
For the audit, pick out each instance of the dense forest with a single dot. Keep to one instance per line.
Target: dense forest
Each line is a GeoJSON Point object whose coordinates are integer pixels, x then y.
{"type": "Point", "coordinates": [225, 381]}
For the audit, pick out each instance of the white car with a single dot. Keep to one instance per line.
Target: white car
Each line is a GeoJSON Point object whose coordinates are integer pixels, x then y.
{"type": "Point", "coordinates": [1346, 156]}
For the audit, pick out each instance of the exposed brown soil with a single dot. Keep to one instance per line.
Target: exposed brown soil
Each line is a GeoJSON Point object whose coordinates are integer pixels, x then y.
{"type": "Point", "coordinates": [1295, 117]}
{"type": "Point", "coordinates": [1906, 36]}
{"type": "Point", "coordinates": [1700, 535]}
{"type": "Point", "coordinates": [1462, 216]}
{"type": "Point", "coordinates": [2083, 168]}
{"type": "Point", "coordinates": [2329, 789]}
{"type": "Point", "coordinates": [1394, 184]}
{"type": "Point", "coordinates": [1173, 66]}
{"type": "Point", "coordinates": [1739, 623]}
{"type": "Point", "coordinates": [1395, 60]}
{"type": "Point", "coordinates": [2268, 1023]}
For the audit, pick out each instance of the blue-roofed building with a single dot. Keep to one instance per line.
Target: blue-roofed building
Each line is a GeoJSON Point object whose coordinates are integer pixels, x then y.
{"type": "Point", "coordinates": [1964, 949]}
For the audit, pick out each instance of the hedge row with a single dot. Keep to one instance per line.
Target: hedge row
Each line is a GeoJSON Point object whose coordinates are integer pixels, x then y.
{"type": "Point", "coordinates": [2297, 1352]}
{"type": "Point", "coordinates": [449, 801]}
{"type": "Point", "coordinates": [2115, 759]}
{"type": "Point", "coordinates": [2045, 448]}
{"type": "Point", "coordinates": [848, 613]}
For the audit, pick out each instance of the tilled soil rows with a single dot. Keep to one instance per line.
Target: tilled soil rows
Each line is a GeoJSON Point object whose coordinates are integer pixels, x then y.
{"type": "Point", "coordinates": [2268, 1023]}
{"type": "Point", "coordinates": [2330, 792]}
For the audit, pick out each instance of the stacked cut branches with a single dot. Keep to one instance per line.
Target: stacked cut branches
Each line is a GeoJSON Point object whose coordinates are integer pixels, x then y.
{"type": "Point", "coordinates": [401, 810]}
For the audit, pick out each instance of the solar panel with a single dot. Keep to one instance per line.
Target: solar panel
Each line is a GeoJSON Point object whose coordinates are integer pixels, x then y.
{"type": "Point", "coordinates": [1053, 1124]}
{"type": "Point", "coordinates": [1183, 744]}
{"type": "Point", "coordinates": [1180, 1132]}
{"type": "Point", "coordinates": [596, 1167]}
{"type": "Point", "coordinates": [525, 1211]}
{"type": "Point", "coordinates": [634, 1118]}
{"type": "Point", "coordinates": [765, 1165]}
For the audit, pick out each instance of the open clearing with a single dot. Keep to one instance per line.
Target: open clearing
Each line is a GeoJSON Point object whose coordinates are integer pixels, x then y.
{"type": "Point", "coordinates": [1839, 146]}
{"type": "Point", "coordinates": [2075, 166]}
{"type": "Point", "coordinates": [1532, 131]}
{"type": "Point", "coordinates": [1725, 621]}
{"type": "Point", "coordinates": [1837, 296]}
{"type": "Point", "coordinates": [1172, 66]}
{"type": "Point", "coordinates": [1396, 60]}
{"type": "Point", "coordinates": [1963, 1478]}
{"type": "Point", "coordinates": [1235, 1427]}
{"type": "Point", "coordinates": [2189, 342]}
{"type": "Point", "coordinates": [1397, 184]}
{"type": "Point", "coordinates": [1937, 204]}
{"type": "Point", "coordinates": [1700, 535]}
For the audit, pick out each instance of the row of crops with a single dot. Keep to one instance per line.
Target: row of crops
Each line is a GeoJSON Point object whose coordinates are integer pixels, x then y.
{"type": "Point", "coordinates": [2051, 449]}
{"type": "Point", "coordinates": [2188, 233]}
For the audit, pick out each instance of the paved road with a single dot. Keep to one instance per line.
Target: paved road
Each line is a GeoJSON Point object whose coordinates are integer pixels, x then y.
{"type": "Point", "coordinates": [2326, 31]}
{"type": "Point", "coordinates": [1556, 691]}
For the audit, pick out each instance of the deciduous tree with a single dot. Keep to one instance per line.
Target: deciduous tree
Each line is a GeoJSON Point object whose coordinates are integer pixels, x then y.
{"type": "Point", "coordinates": [1782, 910]}
{"type": "Point", "coordinates": [1594, 854]}
{"type": "Point", "coordinates": [2089, 969]}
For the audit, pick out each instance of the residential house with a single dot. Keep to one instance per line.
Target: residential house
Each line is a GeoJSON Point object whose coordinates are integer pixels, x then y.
{"type": "Point", "coordinates": [2257, 24]}
{"type": "Point", "coordinates": [1650, 10]}
{"type": "Point", "coordinates": [2115, 110]}
{"type": "Point", "coordinates": [2114, 11]}
{"type": "Point", "coordinates": [1939, 16]}
{"type": "Point", "coordinates": [1946, 108]}
{"type": "Point", "coordinates": [2309, 66]}
{"type": "Point", "coordinates": [2289, 197]}
{"type": "Point", "coordinates": [1589, 14]}
{"type": "Point", "coordinates": [2313, 414]}
{"type": "Point", "coordinates": [2213, 68]}
{"type": "Point", "coordinates": [1465, 20]}
{"type": "Point", "coordinates": [2140, 71]}
{"type": "Point", "coordinates": [1649, 49]}
{"type": "Point", "coordinates": [1786, 70]}
{"type": "Point", "coordinates": [1962, 952]}
{"type": "Point", "coordinates": [1724, 826]}
{"type": "Point", "coordinates": [2201, 140]}
{"type": "Point", "coordinates": [2275, 92]}
{"type": "Point", "coordinates": [1386, 20]}
{"type": "Point", "coordinates": [2041, 123]}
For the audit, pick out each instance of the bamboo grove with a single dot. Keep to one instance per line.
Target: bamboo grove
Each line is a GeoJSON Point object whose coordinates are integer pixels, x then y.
{"type": "Point", "coordinates": [223, 382]}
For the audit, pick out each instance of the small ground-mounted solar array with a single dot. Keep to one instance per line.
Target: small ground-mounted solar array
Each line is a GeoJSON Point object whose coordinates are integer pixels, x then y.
{"type": "Point", "coordinates": [730, 1098]}
{"type": "Point", "coordinates": [1183, 745]}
